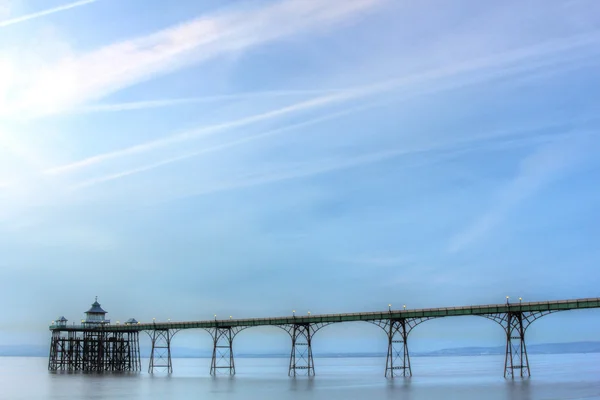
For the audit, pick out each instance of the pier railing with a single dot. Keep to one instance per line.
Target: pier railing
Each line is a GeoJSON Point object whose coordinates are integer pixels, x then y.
{"type": "Point", "coordinates": [559, 305]}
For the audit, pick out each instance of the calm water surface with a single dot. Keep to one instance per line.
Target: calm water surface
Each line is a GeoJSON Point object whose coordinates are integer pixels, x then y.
{"type": "Point", "coordinates": [569, 376]}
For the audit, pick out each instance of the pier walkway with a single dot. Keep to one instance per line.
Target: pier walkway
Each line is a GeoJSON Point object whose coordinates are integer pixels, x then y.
{"type": "Point", "coordinates": [69, 344]}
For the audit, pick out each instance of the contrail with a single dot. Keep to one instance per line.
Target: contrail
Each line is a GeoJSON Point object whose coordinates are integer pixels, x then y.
{"type": "Point", "coordinates": [223, 146]}
{"type": "Point", "coordinates": [185, 136]}
{"type": "Point", "coordinates": [139, 105]}
{"type": "Point", "coordinates": [38, 14]}
{"type": "Point", "coordinates": [467, 73]}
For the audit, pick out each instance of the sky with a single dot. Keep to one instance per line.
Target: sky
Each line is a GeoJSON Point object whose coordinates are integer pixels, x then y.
{"type": "Point", "coordinates": [247, 158]}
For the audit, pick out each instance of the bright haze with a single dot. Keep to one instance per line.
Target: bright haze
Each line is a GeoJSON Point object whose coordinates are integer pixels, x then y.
{"type": "Point", "coordinates": [189, 158]}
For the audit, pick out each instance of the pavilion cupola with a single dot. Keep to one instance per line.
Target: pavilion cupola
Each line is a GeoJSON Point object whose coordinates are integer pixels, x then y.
{"type": "Point", "coordinates": [96, 315]}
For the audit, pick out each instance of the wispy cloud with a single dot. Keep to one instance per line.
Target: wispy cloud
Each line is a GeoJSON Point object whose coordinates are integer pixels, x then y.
{"type": "Point", "coordinates": [67, 84]}
{"type": "Point", "coordinates": [288, 172]}
{"type": "Point", "coordinates": [223, 146]}
{"type": "Point", "coordinates": [548, 163]}
{"type": "Point", "coordinates": [148, 104]}
{"type": "Point", "coordinates": [303, 170]}
{"type": "Point", "coordinates": [520, 61]}
{"type": "Point", "coordinates": [503, 64]}
{"type": "Point", "coordinates": [558, 66]}
{"type": "Point", "coordinates": [512, 134]}
{"type": "Point", "coordinates": [49, 11]}
{"type": "Point", "coordinates": [432, 152]}
{"type": "Point", "coordinates": [185, 136]}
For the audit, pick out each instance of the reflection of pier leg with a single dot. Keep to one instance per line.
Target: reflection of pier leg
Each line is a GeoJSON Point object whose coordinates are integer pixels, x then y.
{"type": "Point", "coordinates": [222, 357]}
{"type": "Point", "coordinates": [301, 358]}
{"type": "Point", "coordinates": [398, 359]}
{"type": "Point", "coordinates": [160, 357]}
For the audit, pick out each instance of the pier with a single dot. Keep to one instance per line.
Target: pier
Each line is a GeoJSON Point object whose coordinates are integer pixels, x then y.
{"type": "Point", "coordinates": [99, 346]}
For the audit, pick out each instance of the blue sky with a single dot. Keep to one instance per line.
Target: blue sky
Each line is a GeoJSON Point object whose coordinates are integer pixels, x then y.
{"type": "Point", "coordinates": [250, 158]}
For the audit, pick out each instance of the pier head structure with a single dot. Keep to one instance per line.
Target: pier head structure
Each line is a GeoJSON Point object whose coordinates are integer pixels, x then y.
{"type": "Point", "coordinates": [97, 345]}
{"type": "Point", "coordinates": [94, 345]}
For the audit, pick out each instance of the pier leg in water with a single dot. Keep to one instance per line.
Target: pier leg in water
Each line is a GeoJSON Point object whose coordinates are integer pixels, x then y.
{"type": "Point", "coordinates": [94, 350]}
{"type": "Point", "coordinates": [301, 358]}
{"type": "Point", "coordinates": [134, 348]}
{"type": "Point", "coordinates": [160, 358]}
{"type": "Point", "coordinates": [397, 349]}
{"type": "Point", "coordinates": [125, 349]}
{"type": "Point", "coordinates": [515, 323]}
{"type": "Point", "coordinates": [516, 350]}
{"type": "Point", "coordinates": [397, 330]}
{"type": "Point", "coordinates": [222, 357]}
{"type": "Point", "coordinates": [54, 362]}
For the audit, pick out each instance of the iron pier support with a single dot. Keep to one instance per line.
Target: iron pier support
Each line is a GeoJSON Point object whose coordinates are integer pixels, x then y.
{"type": "Point", "coordinates": [301, 357]}
{"type": "Point", "coordinates": [160, 357]}
{"type": "Point", "coordinates": [515, 323]}
{"type": "Point", "coordinates": [94, 356]}
{"type": "Point", "coordinates": [136, 358]}
{"type": "Point", "coordinates": [222, 356]}
{"type": "Point", "coordinates": [398, 358]}
{"type": "Point", "coordinates": [55, 360]}
{"type": "Point", "coordinates": [516, 349]}
{"type": "Point", "coordinates": [397, 348]}
{"type": "Point", "coordinates": [94, 350]}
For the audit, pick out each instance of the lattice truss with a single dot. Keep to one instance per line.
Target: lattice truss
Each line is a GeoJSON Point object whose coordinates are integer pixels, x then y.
{"type": "Point", "coordinates": [397, 330]}
{"type": "Point", "coordinates": [515, 323]}
{"type": "Point", "coordinates": [222, 358]}
{"type": "Point", "coordinates": [65, 352]}
{"type": "Point", "coordinates": [160, 357]}
{"type": "Point", "coordinates": [94, 351]}
{"type": "Point", "coordinates": [301, 357]}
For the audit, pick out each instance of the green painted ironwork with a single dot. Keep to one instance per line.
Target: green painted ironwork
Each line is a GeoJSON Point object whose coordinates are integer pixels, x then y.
{"type": "Point", "coordinates": [560, 305]}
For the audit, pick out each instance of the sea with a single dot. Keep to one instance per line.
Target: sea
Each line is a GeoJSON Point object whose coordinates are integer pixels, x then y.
{"type": "Point", "coordinates": [557, 376]}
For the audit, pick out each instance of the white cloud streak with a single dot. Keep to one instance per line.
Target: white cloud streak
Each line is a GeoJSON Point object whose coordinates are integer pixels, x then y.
{"type": "Point", "coordinates": [468, 73]}
{"type": "Point", "coordinates": [500, 60]}
{"type": "Point", "coordinates": [185, 136]}
{"type": "Point", "coordinates": [307, 170]}
{"type": "Point", "coordinates": [513, 133]}
{"type": "Point", "coordinates": [437, 151]}
{"type": "Point", "coordinates": [147, 104]}
{"type": "Point", "coordinates": [536, 171]}
{"type": "Point", "coordinates": [49, 11]}
{"type": "Point", "coordinates": [304, 170]}
{"type": "Point", "coordinates": [223, 146]}
{"type": "Point", "coordinates": [81, 78]}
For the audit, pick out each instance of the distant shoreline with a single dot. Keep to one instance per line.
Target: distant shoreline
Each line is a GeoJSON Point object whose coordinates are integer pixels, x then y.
{"type": "Point", "coordinates": [184, 352]}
